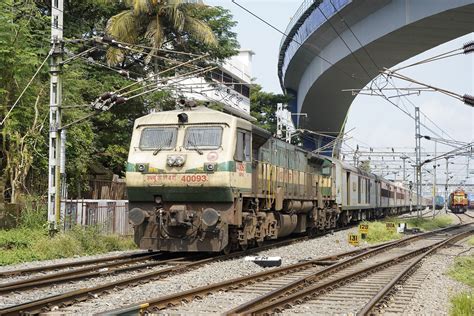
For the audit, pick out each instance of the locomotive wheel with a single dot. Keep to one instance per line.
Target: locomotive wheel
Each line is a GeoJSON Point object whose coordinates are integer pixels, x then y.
{"type": "Point", "coordinates": [227, 249]}
{"type": "Point", "coordinates": [312, 232]}
{"type": "Point", "coordinates": [244, 247]}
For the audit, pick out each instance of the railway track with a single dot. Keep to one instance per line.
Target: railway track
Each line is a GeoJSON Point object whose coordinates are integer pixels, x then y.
{"type": "Point", "coordinates": [67, 265]}
{"type": "Point", "coordinates": [69, 298]}
{"type": "Point", "coordinates": [259, 288]}
{"type": "Point", "coordinates": [92, 271]}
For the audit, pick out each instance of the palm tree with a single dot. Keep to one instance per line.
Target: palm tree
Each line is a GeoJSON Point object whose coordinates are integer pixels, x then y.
{"type": "Point", "coordinates": [156, 22]}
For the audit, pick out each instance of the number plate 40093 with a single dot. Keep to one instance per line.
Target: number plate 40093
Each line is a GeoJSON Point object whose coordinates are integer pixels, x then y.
{"type": "Point", "coordinates": [194, 178]}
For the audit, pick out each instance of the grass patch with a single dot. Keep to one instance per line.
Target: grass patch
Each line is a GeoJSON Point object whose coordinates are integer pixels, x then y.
{"type": "Point", "coordinates": [23, 245]}
{"type": "Point", "coordinates": [471, 241]}
{"type": "Point", "coordinates": [427, 224]}
{"type": "Point", "coordinates": [462, 304]}
{"type": "Point", "coordinates": [463, 270]}
{"type": "Point", "coordinates": [30, 241]}
{"type": "Point", "coordinates": [379, 233]}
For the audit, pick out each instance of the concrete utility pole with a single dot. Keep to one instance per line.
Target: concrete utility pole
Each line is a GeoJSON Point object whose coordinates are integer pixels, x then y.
{"type": "Point", "coordinates": [279, 120]}
{"type": "Point", "coordinates": [434, 181]}
{"type": "Point", "coordinates": [54, 164]}
{"type": "Point", "coordinates": [418, 159]}
{"type": "Point", "coordinates": [404, 174]}
{"type": "Point", "coordinates": [446, 186]}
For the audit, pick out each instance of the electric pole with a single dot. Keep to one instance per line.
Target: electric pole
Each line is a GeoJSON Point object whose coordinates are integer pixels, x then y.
{"type": "Point", "coordinates": [54, 163]}
{"type": "Point", "coordinates": [434, 180]}
{"type": "Point", "coordinates": [418, 159]}
{"type": "Point", "coordinates": [446, 186]}
{"type": "Point", "coordinates": [279, 120]}
{"type": "Point", "coordinates": [404, 178]}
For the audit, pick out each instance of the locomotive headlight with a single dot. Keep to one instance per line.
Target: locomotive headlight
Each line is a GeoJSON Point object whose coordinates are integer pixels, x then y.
{"type": "Point", "coordinates": [175, 160]}
{"type": "Point", "coordinates": [179, 161]}
{"type": "Point", "coordinates": [210, 167]}
{"type": "Point", "coordinates": [171, 160]}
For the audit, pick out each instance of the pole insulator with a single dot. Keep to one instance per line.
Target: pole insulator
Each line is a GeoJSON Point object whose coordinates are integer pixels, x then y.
{"type": "Point", "coordinates": [468, 47]}
{"type": "Point", "coordinates": [120, 100]}
{"type": "Point", "coordinates": [109, 40]}
{"type": "Point", "coordinates": [468, 99]}
{"type": "Point", "coordinates": [106, 96]}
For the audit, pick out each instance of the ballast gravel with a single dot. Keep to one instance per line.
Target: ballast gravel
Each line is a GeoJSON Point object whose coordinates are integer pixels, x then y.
{"type": "Point", "coordinates": [215, 272]}
{"type": "Point", "coordinates": [433, 295]}
{"type": "Point", "coordinates": [329, 244]}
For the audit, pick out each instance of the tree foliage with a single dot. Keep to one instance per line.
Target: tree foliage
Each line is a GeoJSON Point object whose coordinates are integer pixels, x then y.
{"type": "Point", "coordinates": [104, 139]}
{"type": "Point", "coordinates": [172, 24]}
{"type": "Point", "coordinates": [263, 106]}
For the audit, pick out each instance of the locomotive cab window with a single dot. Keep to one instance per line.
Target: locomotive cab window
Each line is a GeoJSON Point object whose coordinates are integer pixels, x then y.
{"type": "Point", "coordinates": [243, 147]}
{"type": "Point", "coordinates": [153, 138]}
{"type": "Point", "coordinates": [205, 137]}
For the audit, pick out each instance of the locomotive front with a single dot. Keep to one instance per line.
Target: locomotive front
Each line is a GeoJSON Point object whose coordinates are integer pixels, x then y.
{"type": "Point", "coordinates": [183, 179]}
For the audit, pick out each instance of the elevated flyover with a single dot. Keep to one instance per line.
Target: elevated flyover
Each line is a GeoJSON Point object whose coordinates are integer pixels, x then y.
{"type": "Point", "coordinates": [315, 64]}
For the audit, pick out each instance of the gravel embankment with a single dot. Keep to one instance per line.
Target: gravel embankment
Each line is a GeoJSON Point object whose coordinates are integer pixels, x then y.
{"type": "Point", "coordinates": [211, 273]}
{"type": "Point", "coordinates": [215, 272]}
{"type": "Point", "coordinates": [433, 295]}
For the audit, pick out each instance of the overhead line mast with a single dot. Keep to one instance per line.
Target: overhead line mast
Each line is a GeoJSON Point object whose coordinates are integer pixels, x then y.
{"type": "Point", "coordinates": [54, 163]}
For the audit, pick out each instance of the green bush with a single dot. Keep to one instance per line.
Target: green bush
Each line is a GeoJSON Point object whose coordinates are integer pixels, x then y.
{"type": "Point", "coordinates": [22, 245]}
{"type": "Point", "coordinates": [379, 233]}
{"type": "Point", "coordinates": [34, 214]}
{"type": "Point", "coordinates": [462, 304]}
{"type": "Point", "coordinates": [428, 224]}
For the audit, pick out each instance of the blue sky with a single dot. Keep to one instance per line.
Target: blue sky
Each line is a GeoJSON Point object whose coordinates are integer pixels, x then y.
{"type": "Point", "coordinates": [376, 122]}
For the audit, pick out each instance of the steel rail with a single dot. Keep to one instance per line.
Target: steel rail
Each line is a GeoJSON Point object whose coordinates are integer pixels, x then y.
{"type": "Point", "coordinates": [189, 295]}
{"type": "Point", "coordinates": [292, 287]}
{"type": "Point", "coordinates": [68, 298]}
{"type": "Point", "coordinates": [277, 305]}
{"type": "Point", "coordinates": [73, 264]}
{"type": "Point", "coordinates": [366, 310]}
{"type": "Point", "coordinates": [89, 272]}
{"type": "Point", "coordinates": [175, 299]}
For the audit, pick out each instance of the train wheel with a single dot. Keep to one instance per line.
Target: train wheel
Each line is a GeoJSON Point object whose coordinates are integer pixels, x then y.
{"type": "Point", "coordinates": [227, 249]}
{"type": "Point", "coordinates": [244, 247]}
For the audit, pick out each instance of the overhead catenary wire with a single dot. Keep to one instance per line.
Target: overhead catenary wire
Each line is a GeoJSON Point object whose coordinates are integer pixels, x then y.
{"type": "Point", "coordinates": [467, 45]}
{"type": "Point", "coordinates": [26, 88]}
{"type": "Point", "coordinates": [380, 94]}
{"type": "Point", "coordinates": [294, 40]}
{"type": "Point", "coordinates": [129, 98]}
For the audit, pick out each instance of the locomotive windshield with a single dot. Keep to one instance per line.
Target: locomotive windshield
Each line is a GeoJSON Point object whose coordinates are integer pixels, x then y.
{"type": "Point", "coordinates": [208, 137]}
{"type": "Point", "coordinates": [157, 138]}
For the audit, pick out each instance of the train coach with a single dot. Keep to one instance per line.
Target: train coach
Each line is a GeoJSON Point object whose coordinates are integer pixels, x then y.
{"type": "Point", "coordinates": [204, 180]}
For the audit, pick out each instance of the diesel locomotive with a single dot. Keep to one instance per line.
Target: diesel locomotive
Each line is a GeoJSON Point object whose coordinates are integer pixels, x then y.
{"type": "Point", "coordinates": [204, 180]}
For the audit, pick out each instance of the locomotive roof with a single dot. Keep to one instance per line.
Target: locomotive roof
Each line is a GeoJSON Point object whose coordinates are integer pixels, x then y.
{"type": "Point", "coordinates": [211, 116]}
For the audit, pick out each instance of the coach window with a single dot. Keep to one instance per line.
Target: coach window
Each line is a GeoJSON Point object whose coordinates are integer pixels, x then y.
{"type": "Point", "coordinates": [243, 148]}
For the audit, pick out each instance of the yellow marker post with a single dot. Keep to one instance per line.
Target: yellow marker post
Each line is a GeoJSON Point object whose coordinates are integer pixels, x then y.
{"type": "Point", "coordinates": [363, 230]}
{"type": "Point", "coordinates": [354, 239]}
{"type": "Point", "coordinates": [391, 227]}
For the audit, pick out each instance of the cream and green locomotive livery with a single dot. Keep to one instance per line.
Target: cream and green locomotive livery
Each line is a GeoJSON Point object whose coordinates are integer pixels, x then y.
{"type": "Point", "coordinates": [203, 180]}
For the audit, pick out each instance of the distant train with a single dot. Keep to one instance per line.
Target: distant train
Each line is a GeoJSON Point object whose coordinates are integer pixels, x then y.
{"type": "Point", "coordinates": [439, 202]}
{"type": "Point", "coordinates": [204, 180]}
{"type": "Point", "coordinates": [470, 200]}
{"type": "Point", "coordinates": [458, 202]}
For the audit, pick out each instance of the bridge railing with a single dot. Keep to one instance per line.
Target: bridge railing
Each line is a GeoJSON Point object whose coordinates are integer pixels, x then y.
{"type": "Point", "coordinates": [308, 18]}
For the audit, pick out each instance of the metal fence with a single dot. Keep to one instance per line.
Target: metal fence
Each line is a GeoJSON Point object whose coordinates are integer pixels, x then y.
{"type": "Point", "coordinates": [110, 216]}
